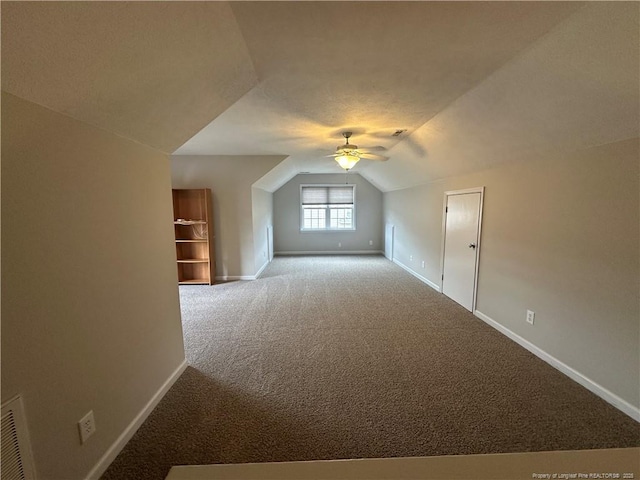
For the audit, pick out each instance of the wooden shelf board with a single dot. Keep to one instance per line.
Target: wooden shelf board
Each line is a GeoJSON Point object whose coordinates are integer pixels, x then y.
{"type": "Point", "coordinates": [193, 260]}
{"type": "Point", "coordinates": [191, 240]}
{"type": "Point", "coordinates": [190, 222]}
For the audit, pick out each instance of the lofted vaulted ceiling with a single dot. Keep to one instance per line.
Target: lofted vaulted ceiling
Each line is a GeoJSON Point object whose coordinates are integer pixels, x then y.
{"type": "Point", "coordinates": [155, 72]}
{"type": "Point", "coordinates": [472, 83]}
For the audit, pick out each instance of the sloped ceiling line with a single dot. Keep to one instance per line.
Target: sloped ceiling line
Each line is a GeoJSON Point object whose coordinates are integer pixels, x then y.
{"type": "Point", "coordinates": [393, 65]}
{"type": "Point", "coordinates": [575, 88]}
{"type": "Point", "coordinates": [472, 82]}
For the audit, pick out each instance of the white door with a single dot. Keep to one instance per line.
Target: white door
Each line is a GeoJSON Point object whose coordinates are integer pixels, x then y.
{"type": "Point", "coordinates": [461, 247]}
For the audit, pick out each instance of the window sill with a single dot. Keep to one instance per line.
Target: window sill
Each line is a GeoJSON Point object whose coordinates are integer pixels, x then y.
{"type": "Point", "coordinates": [327, 230]}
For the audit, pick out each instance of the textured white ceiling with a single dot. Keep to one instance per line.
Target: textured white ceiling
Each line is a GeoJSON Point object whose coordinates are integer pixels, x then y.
{"type": "Point", "coordinates": [155, 72]}
{"type": "Point", "coordinates": [473, 83]}
{"type": "Point", "coordinates": [577, 87]}
{"type": "Point", "coordinates": [367, 67]}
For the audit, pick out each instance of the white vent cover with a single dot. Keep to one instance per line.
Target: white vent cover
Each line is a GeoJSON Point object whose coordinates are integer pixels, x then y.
{"type": "Point", "coordinates": [17, 462]}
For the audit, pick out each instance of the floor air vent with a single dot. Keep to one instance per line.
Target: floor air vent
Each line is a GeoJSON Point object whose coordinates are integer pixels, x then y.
{"type": "Point", "coordinates": [16, 463]}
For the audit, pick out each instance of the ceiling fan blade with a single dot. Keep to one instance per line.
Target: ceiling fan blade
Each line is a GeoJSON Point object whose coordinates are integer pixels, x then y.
{"type": "Point", "coordinates": [377, 148]}
{"type": "Point", "coordinates": [373, 156]}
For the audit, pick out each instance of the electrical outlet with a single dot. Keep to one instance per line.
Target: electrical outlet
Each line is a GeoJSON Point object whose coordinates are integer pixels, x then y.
{"type": "Point", "coordinates": [370, 242]}
{"type": "Point", "coordinates": [422, 263]}
{"type": "Point", "coordinates": [411, 258]}
{"type": "Point", "coordinates": [86, 426]}
{"type": "Point", "coordinates": [339, 244]}
{"type": "Point", "coordinates": [531, 316]}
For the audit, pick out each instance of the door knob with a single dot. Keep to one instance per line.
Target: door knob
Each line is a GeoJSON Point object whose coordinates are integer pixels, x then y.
{"type": "Point", "coordinates": [472, 245]}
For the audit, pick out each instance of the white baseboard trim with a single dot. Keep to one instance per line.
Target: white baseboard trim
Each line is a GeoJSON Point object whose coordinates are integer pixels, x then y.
{"type": "Point", "coordinates": [229, 278]}
{"type": "Point", "coordinates": [435, 286]}
{"type": "Point", "coordinates": [113, 451]}
{"type": "Point", "coordinates": [599, 390]}
{"type": "Point", "coordinates": [334, 252]}
{"type": "Point", "coordinates": [257, 275]}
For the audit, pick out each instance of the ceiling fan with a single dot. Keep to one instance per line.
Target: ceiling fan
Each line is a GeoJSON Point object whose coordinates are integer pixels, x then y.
{"type": "Point", "coordinates": [348, 155]}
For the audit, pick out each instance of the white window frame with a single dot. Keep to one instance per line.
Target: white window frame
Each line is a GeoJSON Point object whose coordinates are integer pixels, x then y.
{"type": "Point", "coordinates": [327, 218]}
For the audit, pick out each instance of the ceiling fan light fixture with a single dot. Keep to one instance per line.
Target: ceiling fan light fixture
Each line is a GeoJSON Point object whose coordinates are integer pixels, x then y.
{"type": "Point", "coordinates": [347, 161]}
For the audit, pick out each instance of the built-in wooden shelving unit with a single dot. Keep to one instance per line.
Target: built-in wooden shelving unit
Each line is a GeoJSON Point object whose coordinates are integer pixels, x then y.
{"type": "Point", "coordinates": [193, 225]}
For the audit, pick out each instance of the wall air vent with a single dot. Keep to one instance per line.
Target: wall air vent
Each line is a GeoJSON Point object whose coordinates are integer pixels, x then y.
{"type": "Point", "coordinates": [17, 462]}
{"type": "Point", "coordinates": [397, 133]}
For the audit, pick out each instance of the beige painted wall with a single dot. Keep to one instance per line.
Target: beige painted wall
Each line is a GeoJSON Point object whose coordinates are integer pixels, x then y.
{"type": "Point", "coordinates": [559, 237]}
{"type": "Point", "coordinates": [90, 318]}
{"type": "Point", "coordinates": [230, 179]}
{"type": "Point", "coordinates": [286, 210]}
{"type": "Point", "coordinates": [414, 213]}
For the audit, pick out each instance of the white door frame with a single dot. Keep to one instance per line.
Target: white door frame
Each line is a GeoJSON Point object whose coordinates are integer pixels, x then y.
{"type": "Point", "coordinates": [479, 190]}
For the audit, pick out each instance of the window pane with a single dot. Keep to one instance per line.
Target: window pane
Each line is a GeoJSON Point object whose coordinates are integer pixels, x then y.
{"type": "Point", "coordinates": [328, 216]}
{"type": "Point", "coordinates": [314, 218]}
{"type": "Point", "coordinates": [341, 218]}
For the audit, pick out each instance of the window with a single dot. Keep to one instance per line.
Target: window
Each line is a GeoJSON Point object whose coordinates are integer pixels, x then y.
{"type": "Point", "coordinates": [327, 207]}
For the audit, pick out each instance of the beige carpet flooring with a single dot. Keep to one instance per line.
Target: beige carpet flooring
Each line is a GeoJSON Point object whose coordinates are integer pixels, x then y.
{"type": "Point", "coordinates": [349, 356]}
